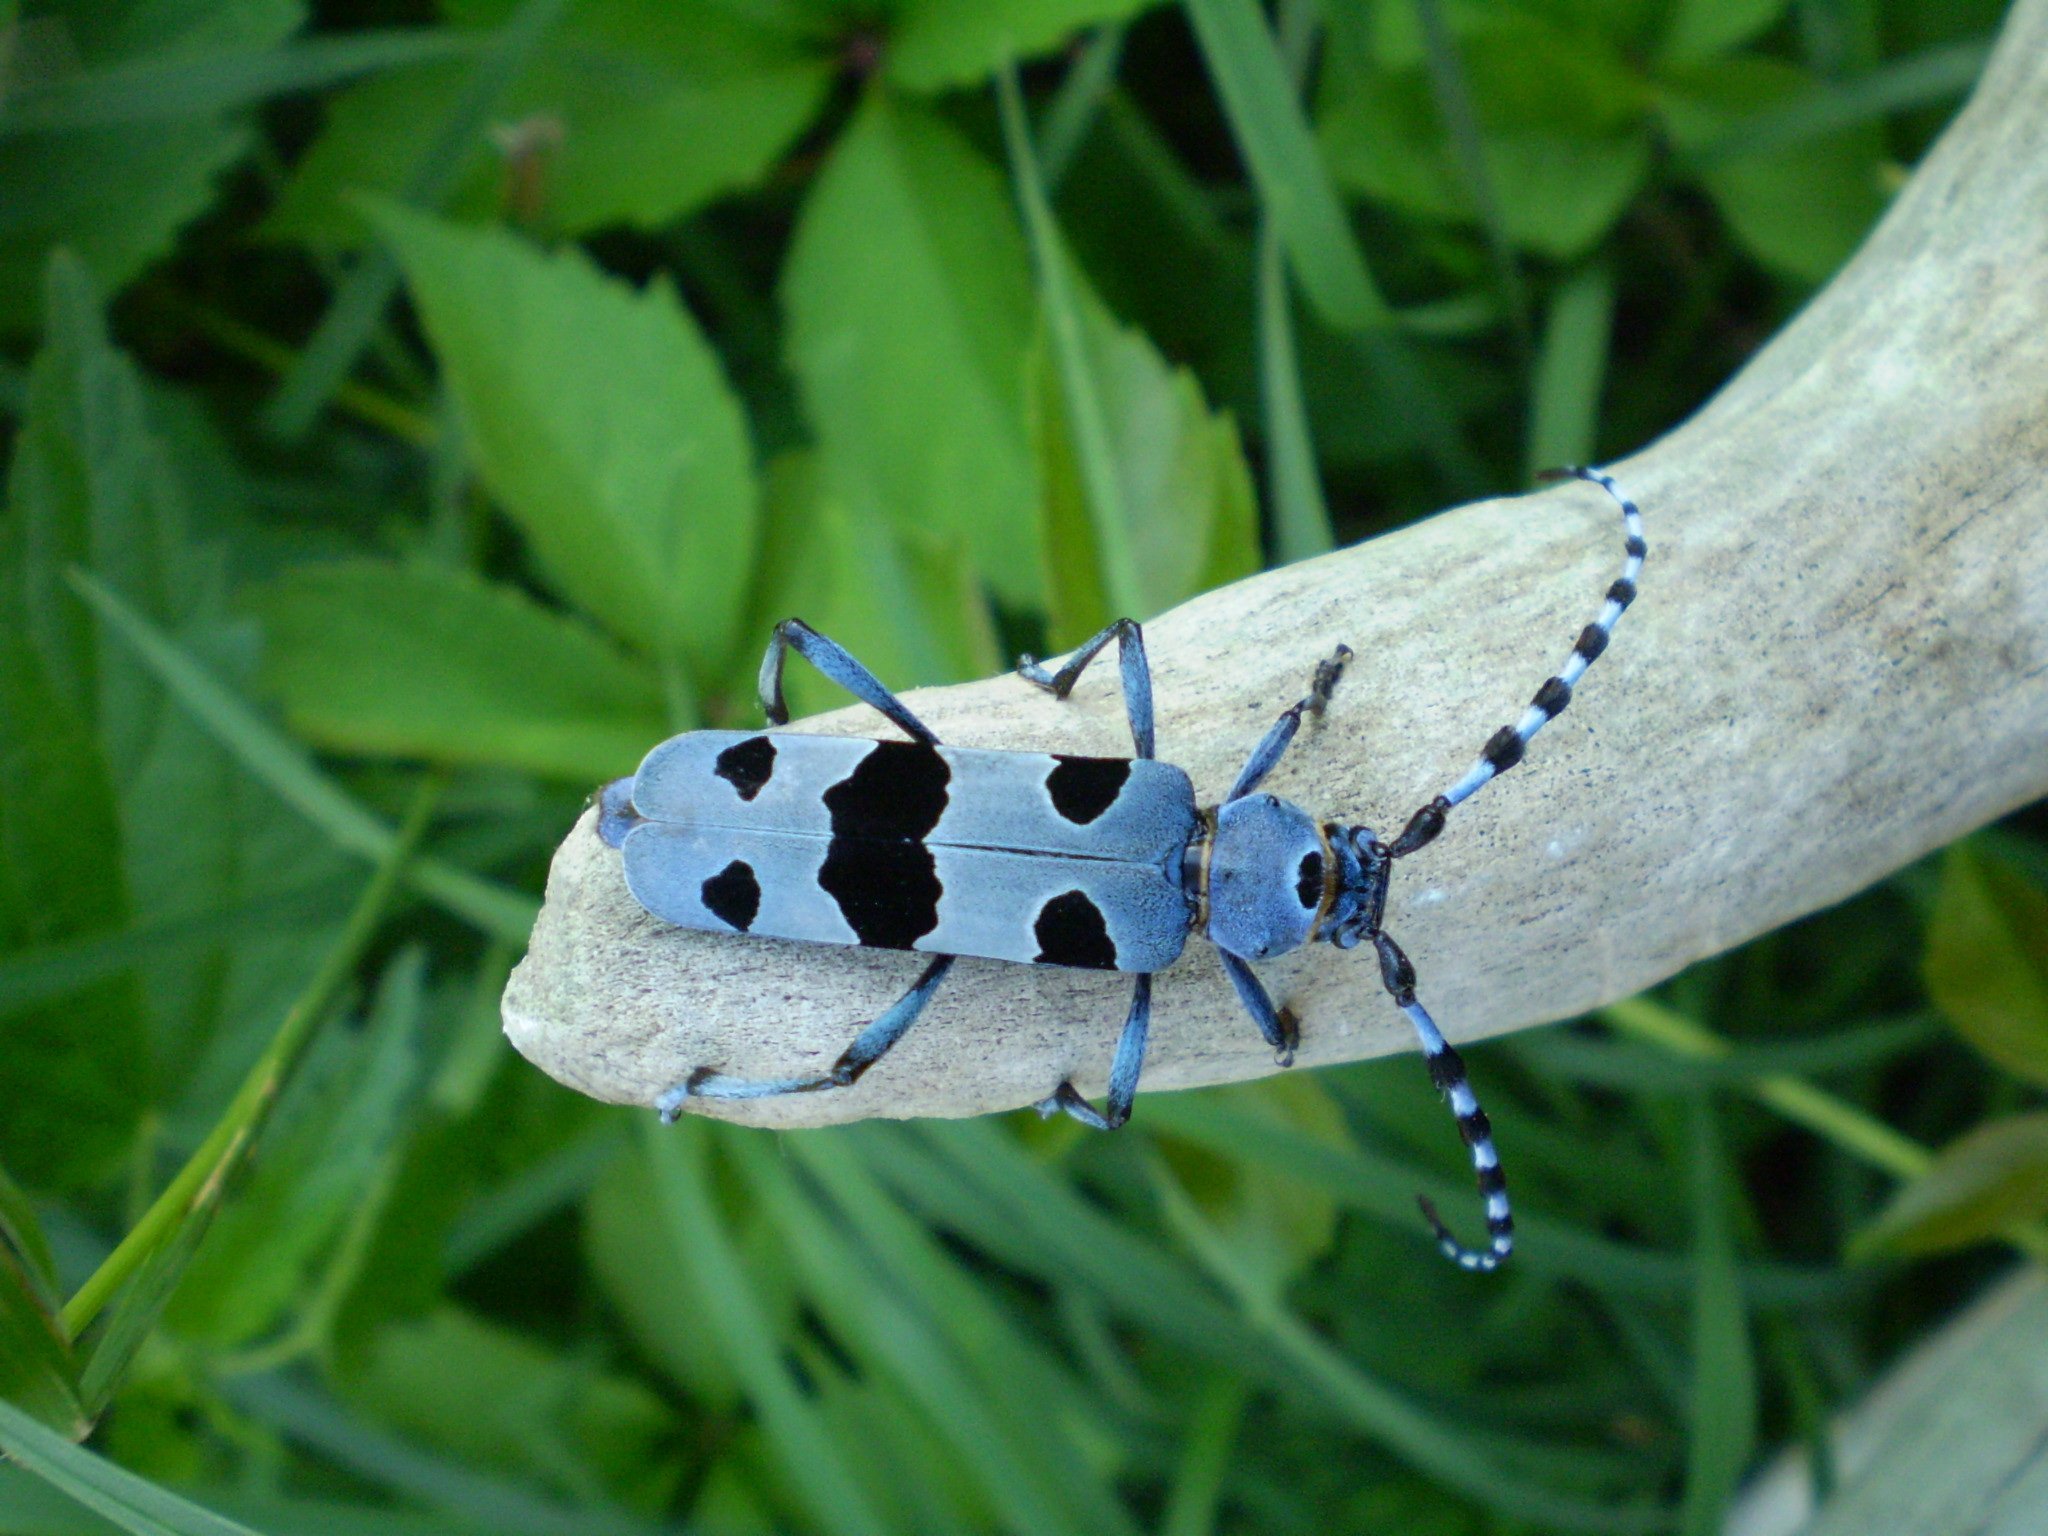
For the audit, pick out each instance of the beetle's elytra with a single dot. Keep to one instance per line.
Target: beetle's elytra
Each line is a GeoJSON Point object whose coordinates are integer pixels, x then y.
{"type": "Point", "coordinates": [1047, 859]}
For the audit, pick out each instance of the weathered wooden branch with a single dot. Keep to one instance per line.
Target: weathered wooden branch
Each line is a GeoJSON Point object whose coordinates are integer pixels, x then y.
{"type": "Point", "coordinates": [1838, 662]}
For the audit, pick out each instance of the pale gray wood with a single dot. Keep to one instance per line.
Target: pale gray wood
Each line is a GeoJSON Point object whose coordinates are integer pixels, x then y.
{"type": "Point", "coordinates": [1838, 662]}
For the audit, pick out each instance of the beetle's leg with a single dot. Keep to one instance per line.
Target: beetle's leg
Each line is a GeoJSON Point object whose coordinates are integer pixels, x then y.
{"type": "Point", "coordinates": [1279, 1025]}
{"type": "Point", "coordinates": [1447, 1071]}
{"type": "Point", "coordinates": [1505, 747]}
{"type": "Point", "coordinates": [1123, 1071]}
{"type": "Point", "coordinates": [1267, 754]}
{"type": "Point", "coordinates": [1131, 664]}
{"type": "Point", "coordinates": [837, 663]}
{"type": "Point", "coordinates": [869, 1047]}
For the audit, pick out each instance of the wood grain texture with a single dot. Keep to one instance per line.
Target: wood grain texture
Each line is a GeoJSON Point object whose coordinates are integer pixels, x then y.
{"type": "Point", "coordinates": [1839, 661]}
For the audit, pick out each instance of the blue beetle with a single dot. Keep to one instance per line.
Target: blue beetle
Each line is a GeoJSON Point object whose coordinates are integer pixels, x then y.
{"type": "Point", "coordinates": [1045, 858]}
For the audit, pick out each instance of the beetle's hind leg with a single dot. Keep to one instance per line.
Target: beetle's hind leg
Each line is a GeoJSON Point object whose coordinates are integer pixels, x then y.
{"type": "Point", "coordinates": [1131, 664]}
{"type": "Point", "coordinates": [1123, 1071]}
{"type": "Point", "coordinates": [872, 1044]}
{"type": "Point", "coordinates": [841, 666]}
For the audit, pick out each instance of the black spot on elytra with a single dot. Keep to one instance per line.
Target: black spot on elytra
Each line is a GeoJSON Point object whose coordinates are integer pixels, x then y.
{"type": "Point", "coordinates": [1070, 931]}
{"type": "Point", "coordinates": [734, 895]}
{"type": "Point", "coordinates": [747, 765]}
{"type": "Point", "coordinates": [877, 867]}
{"type": "Point", "coordinates": [1082, 788]}
{"type": "Point", "coordinates": [1309, 886]}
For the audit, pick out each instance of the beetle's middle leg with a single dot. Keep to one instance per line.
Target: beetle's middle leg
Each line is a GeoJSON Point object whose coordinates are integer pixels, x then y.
{"type": "Point", "coordinates": [1279, 1025]}
{"type": "Point", "coordinates": [1267, 754]}
{"type": "Point", "coordinates": [872, 1044]}
{"type": "Point", "coordinates": [1123, 1071]}
{"type": "Point", "coordinates": [1131, 664]}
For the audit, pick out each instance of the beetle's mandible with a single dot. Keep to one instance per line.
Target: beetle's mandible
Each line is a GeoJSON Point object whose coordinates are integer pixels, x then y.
{"type": "Point", "coordinates": [1044, 858]}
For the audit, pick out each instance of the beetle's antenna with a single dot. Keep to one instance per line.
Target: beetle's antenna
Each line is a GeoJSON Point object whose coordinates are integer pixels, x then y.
{"type": "Point", "coordinates": [1505, 747]}
{"type": "Point", "coordinates": [1447, 1071]}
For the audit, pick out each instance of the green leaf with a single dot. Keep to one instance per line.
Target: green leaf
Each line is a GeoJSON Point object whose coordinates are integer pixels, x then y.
{"type": "Point", "coordinates": [600, 420]}
{"type": "Point", "coordinates": [1699, 30]}
{"type": "Point", "coordinates": [647, 109]}
{"type": "Point", "coordinates": [1285, 162]}
{"type": "Point", "coordinates": [1190, 516]}
{"type": "Point", "coordinates": [1571, 370]}
{"type": "Point", "coordinates": [163, 89]}
{"type": "Point", "coordinates": [496, 1399]}
{"type": "Point", "coordinates": [1801, 209]}
{"type": "Point", "coordinates": [282, 766]}
{"type": "Point", "coordinates": [807, 1456]}
{"type": "Point", "coordinates": [322, 1145]}
{"type": "Point", "coordinates": [322, 366]}
{"type": "Point", "coordinates": [76, 1069]}
{"type": "Point", "coordinates": [911, 610]}
{"type": "Point", "coordinates": [117, 196]}
{"type": "Point", "coordinates": [1273, 1225]}
{"type": "Point", "coordinates": [423, 661]}
{"type": "Point", "coordinates": [130, 1502]}
{"type": "Point", "coordinates": [37, 1371]}
{"type": "Point", "coordinates": [1991, 1179]}
{"type": "Point", "coordinates": [909, 304]}
{"type": "Point", "coordinates": [1986, 966]}
{"type": "Point", "coordinates": [1562, 120]}
{"type": "Point", "coordinates": [1724, 1407]}
{"type": "Point", "coordinates": [935, 44]}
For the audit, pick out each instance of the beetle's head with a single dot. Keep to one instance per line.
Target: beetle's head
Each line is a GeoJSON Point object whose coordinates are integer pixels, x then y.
{"type": "Point", "coordinates": [1359, 885]}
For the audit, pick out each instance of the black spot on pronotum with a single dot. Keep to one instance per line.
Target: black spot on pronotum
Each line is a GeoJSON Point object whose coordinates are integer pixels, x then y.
{"type": "Point", "coordinates": [733, 895]}
{"type": "Point", "coordinates": [1082, 788]}
{"type": "Point", "coordinates": [1070, 931]}
{"type": "Point", "coordinates": [1308, 887]}
{"type": "Point", "coordinates": [877, 867]}
{"type": "Point", "coordinates": [747, 765]}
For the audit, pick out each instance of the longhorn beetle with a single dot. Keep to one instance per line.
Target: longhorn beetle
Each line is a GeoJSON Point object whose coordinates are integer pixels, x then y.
{"type": "Point", "coordinates": [1105, 863]}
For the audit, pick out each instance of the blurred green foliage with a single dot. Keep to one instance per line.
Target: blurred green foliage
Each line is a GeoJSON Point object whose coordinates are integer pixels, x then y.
{"type": "Point", "coordinates": [459, 392]}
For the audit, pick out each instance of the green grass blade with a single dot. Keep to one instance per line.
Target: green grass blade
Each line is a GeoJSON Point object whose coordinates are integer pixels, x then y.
{"type": "Point", "coordinates": [1571, 368]}
{"type": "Point", "coordinates": [1280, 151]}
{"type": "Point", "coordinates": [129, 1501]}
{"type": "Point", "coordinates": [796, 1434]}
{"type": "Point", "coordinates": [358, 307]}
{"type": "Point", "coordinates": [281, 765]}
{"type": "Point", "coordinates": [1384, 1187]}
{"type": "Point", "coordinates": [1452, 88]}
{"type": "Point", "coordinates": [890, 1334]}
{"type": "Point", "coordinates": [1205, 1459]}
{"type": "Point", "coordinates": [160, 90]}
{"type": "Point", "coordinates": [197, 1186]}
{"type": "Point", "coordinates": [1071, 115]}
{"type": "Point", "coordinates": [1440, 1448]}
{"type": "Point", "coordinates": [31, 976]}
{"type": "Point", "coordinates": [1061, 306]}
{"type": "Point", "coordinates": [1048, 1416]}
{"type": "Point", "coordinates": [1723, 1414]}
{"type": "Point", "coordinates": [309, 1418]}
{"type": "Point", "coordinates": [1301, 520]}
{"type": "Point", "coordinates": [1919, 80]}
